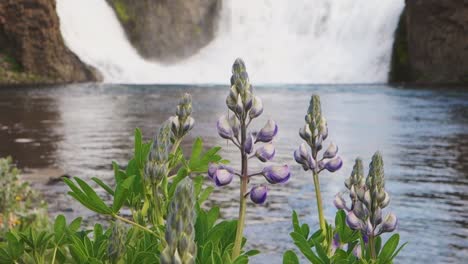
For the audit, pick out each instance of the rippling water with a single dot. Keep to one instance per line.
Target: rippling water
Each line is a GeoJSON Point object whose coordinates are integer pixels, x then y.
{"type": "Point", "coordinates": [423, 135]}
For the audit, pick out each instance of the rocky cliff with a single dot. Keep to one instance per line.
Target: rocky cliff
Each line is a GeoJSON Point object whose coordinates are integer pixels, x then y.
{"type": "Point", "coordinates": [431, 43]}
{"type": "Point", "coordinates": [31, 46]}
{"type": "Point", "coordinates": [168, 29]}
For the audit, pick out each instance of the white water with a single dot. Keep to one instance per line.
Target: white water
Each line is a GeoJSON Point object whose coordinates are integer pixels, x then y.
{"type": "Point", "coordinates": [281, 41]}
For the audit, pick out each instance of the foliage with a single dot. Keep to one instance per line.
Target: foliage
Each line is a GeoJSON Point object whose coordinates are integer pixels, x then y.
{"type": "Point", "coordinates": [20, 206]}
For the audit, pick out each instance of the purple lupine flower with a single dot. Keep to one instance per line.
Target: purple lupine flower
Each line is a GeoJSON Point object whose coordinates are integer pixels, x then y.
{"type": "Point", "coordinates": [266, 152]}
{"type": "Point", "coordinates": [212, 170]}
{"type": "Point", "coordinates": [258, 194]}
{"type": "Point", "coordinates": [331, 151]}
{"type": "Point", "coordinates": [257, 108]}
{"type": "Point", "coordinates": [249, 144]}
{"type": "Point", "coordinates": [389, 224]}
{"type": "Point", "coordinates": [323, 128]}
{"type": "Point", "coordinates": [357, 251]}
{"type": "Point", "coordinates": [188, 125]}
{"type": "Point", "coordinates": [268, 132]}
{"type": "Point", "coordinates": [224, 128]}
{"type": "Point", "coordinates": [353, 221]}
{"type": "Point", "coordinates": [223, 176]}
{"type": "Point", "coordinates": [333, 165]}
{"type": "Point", "coordinates": [339, 202]}
{"type": "Point", "coordinates": [386, 200]}
{"type": "Point", "coordinates": [235, 125]}
{"type": "Point", "coordinates": [369, 228]}
{"type": "Point", "coordinates": [305, 133]}
{"type": "Point", "coordinates": [276, 174]}
{"type": "Point", "coordinates": [336, 243]}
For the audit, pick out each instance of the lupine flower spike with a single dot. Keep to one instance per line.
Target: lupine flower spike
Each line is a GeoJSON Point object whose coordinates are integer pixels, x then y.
{"type": "Point", "coordinates": [314, 133]}
{"type": "Point", "coordinates": [180, 230]}
{"type": "Point", "coordinates": [368, 198]}
{"type": "Point", "coordinates": [244, 107]}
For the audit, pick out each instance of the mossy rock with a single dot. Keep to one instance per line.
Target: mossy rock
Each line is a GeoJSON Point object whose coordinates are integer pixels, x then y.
{"type": "Point", "coordinates": [400, 70]}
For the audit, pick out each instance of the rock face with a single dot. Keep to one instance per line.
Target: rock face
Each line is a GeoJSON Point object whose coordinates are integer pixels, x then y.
{"type": "Point", "coordinates": [431, 43]}
{"type": "Point", "coordinates": [31, 46]}
{"type": "Point", "coordinates": [168, 30]}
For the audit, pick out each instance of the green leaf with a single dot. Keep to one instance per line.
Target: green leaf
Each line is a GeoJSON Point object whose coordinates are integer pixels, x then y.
{"type": "Point", "coordinates": [398, 251]}
{"type": "Point", "coordinates": [92, 196]}
{"type": "Point", "coordinates": [121, 193]}
{"type": "Point", "coordinates": [252, 253]}
{"type": "Point", "coordinates": [295, 221]}
{"type": "Point", "coordinates": [59, 228]}
{"type": "Point", "coordinates": [389, 248]}
{"type": "Point", "coordinates": [303, 246]}
{"type": "Point", "coordinates": [15, 247]}
{"type": "Point", "coordinates": [290, 257]}
{"type": "Point", "coordinates": [75, 224]}
{"type": "Point", "coordinates": [205, 194]}
{"type": "Point", "coordinates": [103, 185]}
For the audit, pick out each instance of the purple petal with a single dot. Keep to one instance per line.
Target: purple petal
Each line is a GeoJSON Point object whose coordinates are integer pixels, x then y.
{"type": "Point", "coordinates": [353, 221]}
{"type": "Point", "coordinates": [277, 174]}
{"type": "Point", "coordinates": [212, 170]}
{"type": "Point", "coordinates": [268, 132]}
{"type": "Point", "coordinates": [331, 151]}
{"type": "Point", "coordinates": [224, 128]}
{"type": "Point", "coordinates": [369, 228]}
{"type": "Point", "coordinates": [357, 251]}
{"type": "Point", "coordinates": [298, 158]}
{"type": "Point", "coordinates": [266, 152]}
{"type": "Point", "coordinates": [339, 202]}
{"type": "Point", "coordinates": [257, 108]}
{"type": "Point", "coordinates": [258, 194]}
{"type": "Point", "coordinates": [390, 223]}
{"type": "Point", "coordinates": [333, 164]}
{"type": "Point", "coordinates": [223, 177]}
{"type": "Point", "coordinates": [249, 144]}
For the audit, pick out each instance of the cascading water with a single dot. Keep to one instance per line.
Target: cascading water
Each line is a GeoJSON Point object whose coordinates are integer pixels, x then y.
{"type": "Point", "coordinates": [298, 41]}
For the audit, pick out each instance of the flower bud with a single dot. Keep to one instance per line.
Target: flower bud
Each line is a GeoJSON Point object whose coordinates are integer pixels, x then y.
{"type": "Point", "coordinates": [249, 144]}
{"type": "Point", "coordinates": [386, 200]}
{"type": "Point", "coordinates": [353, 222]}
{"type": "Point", "coordinates": [333, 164]}
{"type": "Point", "coordinates": [331, 151]}
{"type": "Point", "coordinates": [303, 151]}
{"type": "Point", "coordinates": [224, 128]}
{"type": "Point", "coordinates": [389, 224]}
{"type": "Point", "coordinates": [257, 108]}
{"type": "Point", "coordinates": [377, 217]}
{"type": "Point", "coordinates": [175, 124]}
{"type": "Point", "coordinates": [339, 202]}
{"type": "Point", "coordinates": [360, 210]}
{"type": "Point", "coordinates": [235, 125]}
{"type": "Point", "coordinates": [188, 125]}
{"type": "Point", "coordinates": [268, 132]}
{"type": "Point", "coordinates": [231, 100]}
{"type": "Point", "coordinates": [357, 251]}
{"type": "Point", "coordinates": [305, 133]}
{"type": "Point", "coordinates": [258, 194]}
{"type": "Point", "coordinates": [369, 228]}
{"type": "Point", "coordinates": [276, 174]}
{"type": "Point", "coordinates": [367, 199]}
{"type": "Point", "coordinates": [239, 105]}
{"type": "Point", "coordinates": [323, 128]}
{"type": "Point", "coordinates": [223, 176]}
{"type": "Point", "coordinates": [212, 170]}
{"type": "Point", "coordinates": [266, 152]}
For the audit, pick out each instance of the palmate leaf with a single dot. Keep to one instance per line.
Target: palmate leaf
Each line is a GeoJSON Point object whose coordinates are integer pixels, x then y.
{"type": "Point", "coordinates": [87, 196]}
{"type": "Point", "coordinates": [304, 247]}
{"type": "Point", "coordinates": [200, 160]}
{"type": "Point", "coordinates": [121, 193]}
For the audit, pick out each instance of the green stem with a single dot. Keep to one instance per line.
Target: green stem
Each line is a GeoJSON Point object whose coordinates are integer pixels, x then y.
{"type": "Point", "coordinates": [242, 201]}
{"type": "Point", "coordinates": [318, 197]}
{"type": "Point", "coordinates": [372, 247]}
{"type": "Point", "coordinates": [175, 146]}
{"type": "Point", "coordinates": [55, 253]}
{"type": "Point", "coordinates": [144, 228]}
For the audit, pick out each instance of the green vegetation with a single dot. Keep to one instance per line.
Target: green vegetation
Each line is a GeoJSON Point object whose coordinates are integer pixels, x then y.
{"type": "Point", "coordinates": [121, 10]}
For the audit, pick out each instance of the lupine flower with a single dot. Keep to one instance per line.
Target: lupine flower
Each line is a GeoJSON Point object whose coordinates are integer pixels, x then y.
{"type": "Point", "coordinates": [258, 194]}
{"type": "Point", "coordinates": [182, 122]}
{"type": "Point", "coordinates": [276, 174]}
{"type": "Point", "coordinates": [331, 151]}
{"type": "Point", "coordinates": [368, 198]}
{"type": "Point", "coordinates": [245, 107]}
{"type": "Point", "coordinates": [257, 108]}
{"type": "Point", "coordinates": [333, 165]}
{"type": "Point", "coordinates": [224, 128]}
{"type": "Point", "coordinates": [266, 152]}
{"type": "Point", "coordinates": [339, 202]}
{"type": "Point", "coordinates": [180, 230]}
{"type": "Point", "coordinates": [116, 245]}
{"type": "Point", "coordinates": [268, 132]}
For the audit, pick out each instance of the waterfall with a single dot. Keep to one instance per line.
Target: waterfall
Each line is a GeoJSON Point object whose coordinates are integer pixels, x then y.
{"type": "Point", "coordinates": [281, 41]}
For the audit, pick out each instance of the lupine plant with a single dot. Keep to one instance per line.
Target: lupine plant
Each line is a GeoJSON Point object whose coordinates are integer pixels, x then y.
{"type": "Point", "coordinates": [243, 107]}
{"type": "Point", "coordinates": [314, 133]}
{"type": "Point", "coordinates": [355, 238]}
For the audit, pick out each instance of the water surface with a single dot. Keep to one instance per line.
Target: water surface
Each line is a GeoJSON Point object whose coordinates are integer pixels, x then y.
{"type": "Point", "coordinates": [423, 135]}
